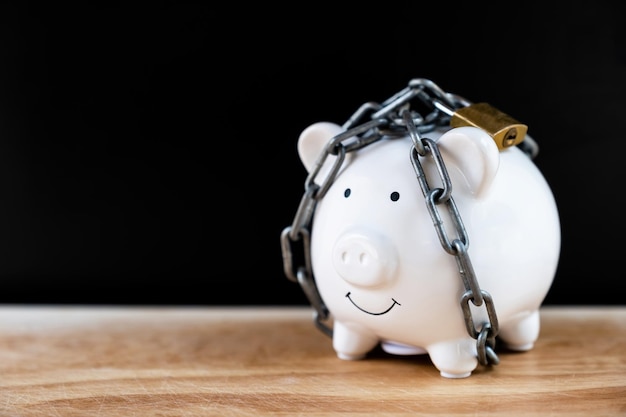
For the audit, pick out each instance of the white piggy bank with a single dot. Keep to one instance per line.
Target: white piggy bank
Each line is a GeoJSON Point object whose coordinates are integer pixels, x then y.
{"type": "Point", "coordinates": [378, 262]}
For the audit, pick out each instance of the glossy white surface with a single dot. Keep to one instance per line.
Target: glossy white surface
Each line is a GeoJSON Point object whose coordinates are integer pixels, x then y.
{"type": "Point", "coordinates": [379, 264]}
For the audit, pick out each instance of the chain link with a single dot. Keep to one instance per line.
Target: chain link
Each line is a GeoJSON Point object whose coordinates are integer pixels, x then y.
{"type": "Point", "coordinates": [421, 107]}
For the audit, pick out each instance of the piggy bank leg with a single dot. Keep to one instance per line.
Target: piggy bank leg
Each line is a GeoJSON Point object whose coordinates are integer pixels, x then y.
{"type": "Point", "coordinates": [454, 359]}
{"type": "Point", "coordinates": [352, 341]}
{"type": "Point", "coordinates": [522, 331]}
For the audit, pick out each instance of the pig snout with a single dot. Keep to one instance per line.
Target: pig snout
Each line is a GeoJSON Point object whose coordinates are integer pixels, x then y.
{"type": "Point", "coordinates": [366, 260]}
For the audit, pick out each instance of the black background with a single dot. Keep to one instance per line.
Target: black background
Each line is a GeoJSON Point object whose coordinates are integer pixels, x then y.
{"type": "Point", "coordinates": [148, 154]}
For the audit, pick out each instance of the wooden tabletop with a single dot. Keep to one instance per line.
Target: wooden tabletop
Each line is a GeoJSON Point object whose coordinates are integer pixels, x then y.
{"type": "Point", "coordinates": [272, 361]}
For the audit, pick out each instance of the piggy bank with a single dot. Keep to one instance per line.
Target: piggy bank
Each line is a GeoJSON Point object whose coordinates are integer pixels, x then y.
{"type": "Point", "coordinates": [377, 259]}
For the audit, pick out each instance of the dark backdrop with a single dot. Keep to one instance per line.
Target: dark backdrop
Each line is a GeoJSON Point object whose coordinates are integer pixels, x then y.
{"type": "Point", "coordinates": [148, 154]}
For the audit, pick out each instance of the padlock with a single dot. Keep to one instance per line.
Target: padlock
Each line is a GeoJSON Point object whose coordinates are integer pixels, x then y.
{"type": "Point", "coordinates": [505, 130]}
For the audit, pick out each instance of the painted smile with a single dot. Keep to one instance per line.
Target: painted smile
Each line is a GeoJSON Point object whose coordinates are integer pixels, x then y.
{"type": "Point", "coordinates": [369, 312]}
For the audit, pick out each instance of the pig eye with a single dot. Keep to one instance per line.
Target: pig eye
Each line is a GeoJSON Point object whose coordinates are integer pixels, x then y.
{"type": "Point", "coordinates": [346, 193]}
{"type": "Point", "coordinates": [395, 196]}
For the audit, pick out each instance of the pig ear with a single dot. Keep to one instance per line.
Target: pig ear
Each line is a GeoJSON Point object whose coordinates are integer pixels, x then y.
{"type": "Point", "coordinates": [312, 142]}
{"type": "Point", "coordinates": [475, 153]}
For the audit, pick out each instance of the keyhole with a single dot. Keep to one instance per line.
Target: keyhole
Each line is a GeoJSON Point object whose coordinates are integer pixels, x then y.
{"type": "Point", "coordinates": [509, 138]}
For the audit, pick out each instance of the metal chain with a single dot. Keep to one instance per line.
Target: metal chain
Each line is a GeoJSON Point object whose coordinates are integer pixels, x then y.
{"type": "Point", "coordinates": [419, 108]}
{"type": "Point", "coordinates": [299, 231]}
{"type": "Point", "coordinates": [485, 336]}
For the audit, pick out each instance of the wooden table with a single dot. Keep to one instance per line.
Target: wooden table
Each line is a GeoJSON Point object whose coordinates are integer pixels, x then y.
{"type": "Point", "coordinates": [272, 361]}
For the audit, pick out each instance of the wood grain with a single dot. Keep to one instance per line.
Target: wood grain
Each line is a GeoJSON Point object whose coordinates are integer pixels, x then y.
{"type": "Point", "coordinates": [207, 361]}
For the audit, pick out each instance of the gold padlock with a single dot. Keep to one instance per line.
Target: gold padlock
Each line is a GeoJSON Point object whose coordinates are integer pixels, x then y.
{"type": "Point", "coordinates": [505, 130]}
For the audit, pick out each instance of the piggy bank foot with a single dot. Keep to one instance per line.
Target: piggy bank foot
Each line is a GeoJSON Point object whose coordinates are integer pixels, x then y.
{"type": "Point", "coordinates": [454, 359]}
{"type": "Point", "coordinates": [352, 341]}
{"type": "Point", "coordinates": [521, 332]}
{"type": "Point", "coordinates": [397, 348]}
